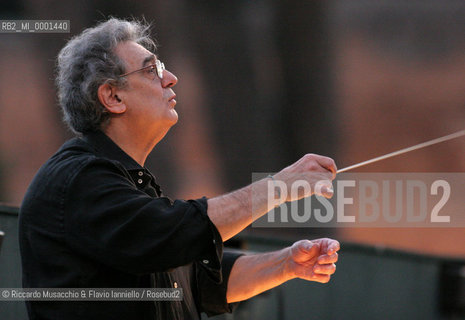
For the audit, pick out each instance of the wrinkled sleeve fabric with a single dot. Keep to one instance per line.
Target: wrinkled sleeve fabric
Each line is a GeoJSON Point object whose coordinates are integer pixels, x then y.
{"type": "Point", "coordinates": [106, 218]}
{"type": "Point", "coordinates": [211, 291]}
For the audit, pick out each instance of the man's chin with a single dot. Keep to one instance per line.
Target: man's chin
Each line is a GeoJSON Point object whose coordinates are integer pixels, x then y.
{"type": "Point", "coordinates": [175, 115]}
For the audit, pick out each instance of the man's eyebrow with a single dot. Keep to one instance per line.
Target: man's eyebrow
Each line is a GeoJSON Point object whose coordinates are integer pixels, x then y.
{"type": "Point", "coordinates": [149, 58]}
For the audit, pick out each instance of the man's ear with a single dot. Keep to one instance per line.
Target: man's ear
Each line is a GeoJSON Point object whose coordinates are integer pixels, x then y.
{"type": "Point", "coordinates": [109, 99]}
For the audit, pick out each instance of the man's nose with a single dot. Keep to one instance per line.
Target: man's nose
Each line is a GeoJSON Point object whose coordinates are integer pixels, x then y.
{"type": "Point", "coordinates": [169, 79]}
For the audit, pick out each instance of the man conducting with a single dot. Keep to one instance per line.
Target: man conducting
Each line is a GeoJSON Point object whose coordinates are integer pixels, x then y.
{"type": "Point", "coordinates": [94, 216]}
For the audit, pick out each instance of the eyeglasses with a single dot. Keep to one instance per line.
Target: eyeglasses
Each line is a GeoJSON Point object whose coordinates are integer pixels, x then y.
{"type": "Point", "coordinates": [159, 67]}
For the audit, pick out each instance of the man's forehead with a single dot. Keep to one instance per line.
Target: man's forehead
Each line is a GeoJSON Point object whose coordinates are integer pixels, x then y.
{"type": "Point", "coordinates": [134, 54]}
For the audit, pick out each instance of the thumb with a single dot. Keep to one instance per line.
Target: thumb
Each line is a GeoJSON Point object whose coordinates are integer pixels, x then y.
{"type": "Point", "coordinates": [308, 246]}
{"type": "Point", "coordinates": [305, 251]}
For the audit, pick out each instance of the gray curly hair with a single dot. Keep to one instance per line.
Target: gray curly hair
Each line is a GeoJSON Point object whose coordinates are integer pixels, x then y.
{"type": "Point", "coordinates": [88, 61]}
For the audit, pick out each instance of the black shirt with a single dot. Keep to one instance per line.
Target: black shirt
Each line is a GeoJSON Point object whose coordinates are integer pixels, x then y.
{"type": "Point", "coordinates": [94, 218]}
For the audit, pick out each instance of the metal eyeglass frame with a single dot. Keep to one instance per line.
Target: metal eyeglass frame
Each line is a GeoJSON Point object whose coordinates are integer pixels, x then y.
{"type": "Point", "coordinates": [158, 66]}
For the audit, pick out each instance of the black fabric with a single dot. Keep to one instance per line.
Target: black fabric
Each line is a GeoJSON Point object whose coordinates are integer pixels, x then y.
{"type": "Point", "coordinates": [93, 217]}
{"type": "Point", "coordinates": [1, 238]}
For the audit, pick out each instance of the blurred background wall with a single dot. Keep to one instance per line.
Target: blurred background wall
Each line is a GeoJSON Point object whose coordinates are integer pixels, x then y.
{"type": "Point", "coordinates": [261, 83]}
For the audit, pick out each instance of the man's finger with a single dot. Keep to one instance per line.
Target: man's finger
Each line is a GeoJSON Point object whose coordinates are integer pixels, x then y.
{"type": "Point", "coordinates": [328, 164]}
{"type": "Point", "coordinates": [327, 192]}
{"type": "Point", "coordinates": [324, 268]}
{"type": "Point", "coordinates": [322, 278]}
{"type": "Point", "coordinates": [325, 259]}
{"type": "Point", "coordinates": [309, 246]}
{"type": "Point", "coordinates": [333, 247]}
{"type": "Point", "coordinates": [324, 188]}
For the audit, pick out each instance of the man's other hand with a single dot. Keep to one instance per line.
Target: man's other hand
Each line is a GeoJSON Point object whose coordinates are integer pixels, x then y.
{"type": "Point", "coordinates": [312, 260]}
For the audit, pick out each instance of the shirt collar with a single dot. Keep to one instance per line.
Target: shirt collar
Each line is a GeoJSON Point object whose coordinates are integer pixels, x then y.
{"type": "Point", "coordinates": [109, 149]}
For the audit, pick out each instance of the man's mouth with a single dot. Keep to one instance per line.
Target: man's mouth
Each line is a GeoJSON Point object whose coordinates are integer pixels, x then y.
{"type": "Point", "coordinates": [172, 100]}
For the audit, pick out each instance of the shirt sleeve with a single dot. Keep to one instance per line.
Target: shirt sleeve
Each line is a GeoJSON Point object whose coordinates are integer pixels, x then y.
{"type": "Point", "coordinates": [211, 291]}
{"type": "Point", "coordinates": [106, 218]}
